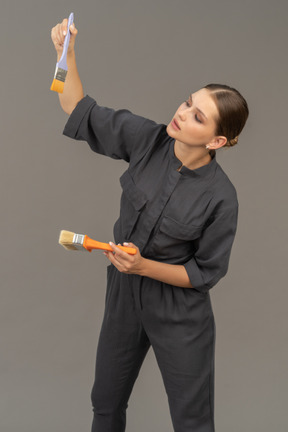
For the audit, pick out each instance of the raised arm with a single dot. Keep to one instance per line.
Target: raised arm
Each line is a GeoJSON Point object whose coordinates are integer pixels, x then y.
{"type": "Point", "coordinates": [73, 90]}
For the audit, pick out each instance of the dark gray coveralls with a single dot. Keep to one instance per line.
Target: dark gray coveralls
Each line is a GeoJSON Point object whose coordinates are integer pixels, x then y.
{"type": "Point", "coordinates": [186, 217]}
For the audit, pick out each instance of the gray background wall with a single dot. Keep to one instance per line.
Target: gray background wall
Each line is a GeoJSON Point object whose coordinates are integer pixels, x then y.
{"type": "Point", "coordinates": [145, 56]}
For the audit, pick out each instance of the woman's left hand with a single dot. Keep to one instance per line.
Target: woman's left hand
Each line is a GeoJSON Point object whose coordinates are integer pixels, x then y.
{"type": "Point", "coordinates": [124, 262]}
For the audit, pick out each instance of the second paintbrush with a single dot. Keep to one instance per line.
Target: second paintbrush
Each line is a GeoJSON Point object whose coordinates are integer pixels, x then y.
{"type": "Point", "coordinates": [71, 241]}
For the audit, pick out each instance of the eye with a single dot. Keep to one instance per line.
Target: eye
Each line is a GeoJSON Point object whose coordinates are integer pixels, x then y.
{"type": "Point", "coordinates": [188, 103]}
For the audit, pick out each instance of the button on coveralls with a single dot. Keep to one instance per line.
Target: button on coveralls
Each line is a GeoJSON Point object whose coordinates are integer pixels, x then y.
{"type": "Point", "coordinates": [186, 217]}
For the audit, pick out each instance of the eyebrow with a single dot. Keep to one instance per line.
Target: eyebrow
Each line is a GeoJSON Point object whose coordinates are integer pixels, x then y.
{"type": "Point", "coordinates": [197, 108]}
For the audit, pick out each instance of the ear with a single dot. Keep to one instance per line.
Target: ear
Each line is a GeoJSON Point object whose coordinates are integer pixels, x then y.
{"type": "Point", "coordinates": [218, 142]}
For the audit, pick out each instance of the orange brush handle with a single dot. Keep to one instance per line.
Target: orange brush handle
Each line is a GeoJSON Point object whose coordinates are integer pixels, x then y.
{"type": "Point", "coordinates": [90, 244]}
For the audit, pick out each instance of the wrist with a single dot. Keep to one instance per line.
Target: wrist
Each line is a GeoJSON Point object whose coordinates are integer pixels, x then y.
{"type": "Point", "coordinates": [143, 267]}
{"type": "Point", "coordinates": [70, 55]}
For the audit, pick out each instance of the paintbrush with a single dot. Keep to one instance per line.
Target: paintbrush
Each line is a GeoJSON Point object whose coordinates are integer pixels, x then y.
{"type": "Point", "coordinates": [61, 66]}
{"type": "Point", "coordinates": [72, 241]}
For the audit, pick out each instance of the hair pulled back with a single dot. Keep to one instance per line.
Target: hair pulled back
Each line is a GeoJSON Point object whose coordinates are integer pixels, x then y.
{"type": "Point", "coordinates": [233, 111]}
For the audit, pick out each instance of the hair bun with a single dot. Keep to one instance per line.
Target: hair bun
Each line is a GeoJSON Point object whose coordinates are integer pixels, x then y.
{"type": "Point", "coordinates": [233, 141]}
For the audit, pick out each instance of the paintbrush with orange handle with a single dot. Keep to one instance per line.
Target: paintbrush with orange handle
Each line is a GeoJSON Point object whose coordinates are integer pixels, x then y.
{"type": "Point", "coordinates": [72, 241]}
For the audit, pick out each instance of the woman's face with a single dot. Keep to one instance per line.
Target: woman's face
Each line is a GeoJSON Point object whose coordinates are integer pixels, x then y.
{"type": "Point", "coordinates": [194, 122]}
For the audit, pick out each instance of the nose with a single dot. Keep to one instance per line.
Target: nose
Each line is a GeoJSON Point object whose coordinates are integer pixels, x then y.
{"type": "Point", "coordinates": [182, 115]}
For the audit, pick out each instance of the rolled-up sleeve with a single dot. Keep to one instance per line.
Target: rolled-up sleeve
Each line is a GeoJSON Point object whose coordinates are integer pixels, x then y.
{"type": "Point", "coordinates": [213, 249]}
{"type": "Point", "coordinates": [113, 133]}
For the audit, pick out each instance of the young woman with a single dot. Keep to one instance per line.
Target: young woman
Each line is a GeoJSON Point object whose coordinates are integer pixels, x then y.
{"type": "Point", "coordinates": [179, 210]}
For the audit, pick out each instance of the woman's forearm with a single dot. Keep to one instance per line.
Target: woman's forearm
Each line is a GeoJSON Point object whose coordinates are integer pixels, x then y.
{"type": "Point", "coordinates": [168, 273]}
{"type": "Point", "coordinates": [171, 274]}
{"type": "Point", "coordinates": [73, 89]}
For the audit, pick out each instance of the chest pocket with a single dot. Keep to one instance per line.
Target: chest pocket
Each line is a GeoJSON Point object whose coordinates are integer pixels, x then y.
{"type": "Point", "coordinates": [178, 230]}
{"type": "Point", "coordinates": [174, 239]}
{"type": "Point", "coordinates": [133, 200]}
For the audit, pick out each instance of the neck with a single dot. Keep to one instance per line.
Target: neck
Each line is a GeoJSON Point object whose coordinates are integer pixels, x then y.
{"type": "Point", "coordinates": [191, 157]}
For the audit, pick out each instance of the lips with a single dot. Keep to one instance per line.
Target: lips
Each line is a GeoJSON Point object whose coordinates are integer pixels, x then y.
{"type": "Point", "coordinates": [175, 124]}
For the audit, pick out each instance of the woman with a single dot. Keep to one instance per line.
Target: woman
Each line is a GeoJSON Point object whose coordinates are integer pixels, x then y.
{"type": "Point", "coordinates": [179, 210]}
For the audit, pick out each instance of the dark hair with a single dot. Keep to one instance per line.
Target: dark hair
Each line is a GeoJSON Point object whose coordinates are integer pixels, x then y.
{"type": "Point", "coordinates": [233, 111]}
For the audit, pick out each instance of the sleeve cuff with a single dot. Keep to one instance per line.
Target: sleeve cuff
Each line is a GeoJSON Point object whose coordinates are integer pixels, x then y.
{"type": "Point", "coordinates": [72, 126]}
{"type": "Point", "coordinates": [195, 276]}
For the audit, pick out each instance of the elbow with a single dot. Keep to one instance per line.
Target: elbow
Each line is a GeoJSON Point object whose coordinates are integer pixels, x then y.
{"type": "Point", "coordinates": [68, 109]}
{"type": "Point", "coordinates": [68, 106]}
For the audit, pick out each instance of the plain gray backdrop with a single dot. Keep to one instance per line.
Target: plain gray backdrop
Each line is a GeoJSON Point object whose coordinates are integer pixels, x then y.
{"type": "Point", "coordinates": [146, 56]}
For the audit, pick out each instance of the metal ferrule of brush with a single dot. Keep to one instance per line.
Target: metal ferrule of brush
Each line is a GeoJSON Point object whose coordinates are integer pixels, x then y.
{"type": "Point", "coordinates": [78, 241]}
{"type": "Point", "coordinates": [60, 74]}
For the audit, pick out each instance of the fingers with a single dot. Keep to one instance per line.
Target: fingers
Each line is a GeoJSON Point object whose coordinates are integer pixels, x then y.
{"type": "Point", "coordinates": [64, 29]}
{"type": "Point", "coordinates": [59, 32]}
{"type": "Point", "coordinates": [73, 30]}
{"type": "Point", "coordinates": [123, 261]}
{"type": "Point", "coordinates": [129, 244]}
{"type": "Point", "coordinates": [123, 254]}
{"type": "Point", "coordinates": [119, 254]}
{"type": "Point", "coordinates": [57, 35]}
{"type": "Point", "coordinates": [112, 258]}
{"type": "Point", "coordinates": [63, 26]}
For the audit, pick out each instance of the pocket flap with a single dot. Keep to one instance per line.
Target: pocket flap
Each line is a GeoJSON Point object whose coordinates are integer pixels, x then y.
{"type": "Point", "coordinates": [136, 196]}
{"type": "Point", "coordinates": [179, 230]}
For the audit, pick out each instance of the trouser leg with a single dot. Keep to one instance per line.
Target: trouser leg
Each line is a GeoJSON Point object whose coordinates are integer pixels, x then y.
{"type": "Point", "coordinates": [122, 347]}
{"type": "Point", "coordinates": [182, 334]}
{"type": "Point", "coordinates": [190, 394]}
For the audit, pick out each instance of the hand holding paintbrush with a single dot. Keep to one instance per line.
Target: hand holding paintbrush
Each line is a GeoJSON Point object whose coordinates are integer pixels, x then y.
{"type": "Point", "coordinates": [72, 241]}
{"type": "Point", "coordinates": [58, 36]}
{"type": "Point", "coordinates": [63, 36]}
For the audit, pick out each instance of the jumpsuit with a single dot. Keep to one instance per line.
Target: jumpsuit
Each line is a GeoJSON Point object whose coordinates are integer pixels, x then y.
{"type": "Point", "coordinates": [177, 216]}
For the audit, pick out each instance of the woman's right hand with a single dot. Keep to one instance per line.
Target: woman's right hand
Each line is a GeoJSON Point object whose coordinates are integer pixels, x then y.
{"type": "Point", "coordinates": [58, 34]}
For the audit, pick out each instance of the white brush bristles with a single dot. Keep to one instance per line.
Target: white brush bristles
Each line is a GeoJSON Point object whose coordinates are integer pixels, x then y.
{"type": "Point", "coordinates": [66, 240]}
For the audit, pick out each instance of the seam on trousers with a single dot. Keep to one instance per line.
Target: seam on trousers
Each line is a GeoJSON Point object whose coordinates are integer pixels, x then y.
{"type": "Point", "coordinates": [210, 377]}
